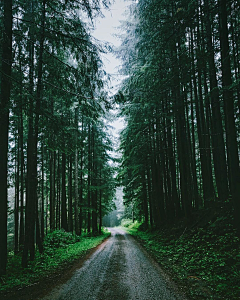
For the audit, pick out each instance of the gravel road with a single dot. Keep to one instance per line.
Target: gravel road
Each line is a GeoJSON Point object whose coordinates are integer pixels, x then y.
{"type": "Point", "coordinates": [119, 269]}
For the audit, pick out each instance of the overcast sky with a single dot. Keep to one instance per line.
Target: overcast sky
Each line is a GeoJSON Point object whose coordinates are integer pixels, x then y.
{"type": "Point", "coordinates": [106, 31]}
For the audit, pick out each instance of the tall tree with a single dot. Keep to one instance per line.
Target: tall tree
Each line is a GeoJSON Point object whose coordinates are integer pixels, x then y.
{"type": "Point", "coordinates": [228, 98]}
{"type": "Point", "coordinates": [4, 124]}
{"type": "Point", "coordinates": [170, 54]}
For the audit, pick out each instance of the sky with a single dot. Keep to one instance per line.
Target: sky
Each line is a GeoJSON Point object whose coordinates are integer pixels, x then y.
{"type": "Point", "coordinates": [107, 28]}
{"type": "Point", "coordinates": [105, 31]}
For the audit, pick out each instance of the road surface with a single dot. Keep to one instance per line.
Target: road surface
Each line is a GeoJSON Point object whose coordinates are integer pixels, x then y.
{"type": "Point", "coordinates": [118, 270]}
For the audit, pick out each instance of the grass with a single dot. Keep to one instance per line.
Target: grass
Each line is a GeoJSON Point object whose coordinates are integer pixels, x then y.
{"type": "Point", "coordinates": [60, 249]}
{"type": "Point", "coordinates": [203, 258]}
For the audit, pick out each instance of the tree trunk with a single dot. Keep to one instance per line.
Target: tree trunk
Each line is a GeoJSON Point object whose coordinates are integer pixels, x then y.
{"type": "Point", "coordinates": [193, 153]}
{"type": "Point", "coordinates": [52, 178]}
{"type": "Point", "coordinates": [64, 198]}
{"type": "Point", "coordinates": [32, 181]}
{"type": "Point", "coordinates": [58, 210]}
{"type": "Point", "coordinates": [219, 156]}
{"type": "Point", "coordinates": [81, 181]}
{"type": "Point", "coordinates": [21, 230]}
{"type": "Point", "coordinates": [4, 123]}
{"type": "Point", "coordinates": [144, 199]}
{"type": "Point", "coordinates": [182, 141]}
{"type": "Point", "coordinates": [70, 206]}
{"type": "Point", "coordinates": [16, 203]}
{"type": "Point", "coordinates": [149, 189]}
{"type": "Point", "coordinates": [36, 125]}
{"type": "Point", "coordinates": [76, 196]}
{"type": "Point", "coordinates": [229, 112]}
{"type": "Point", "coordinates": [30, 203]}
{"type": "Point", "coordinates": [89, 179]}
{"type": "Point", "coordinates": [201, 125]}
{"type": "Point", "coordinates": [42, 202]}
{"type": "Point", "coordinates": [100, 203]}
{"type": "Point", "coordinates": [157, 149]}
{"type": "Point", "coordinates": [94, 183]}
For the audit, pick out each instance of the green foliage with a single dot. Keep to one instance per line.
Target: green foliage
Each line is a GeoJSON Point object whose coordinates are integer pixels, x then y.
{"type": "Point", "coordinates": [127, 223]}
{"type": "Point", "coordinates": [105, 231]}
{"type": "Point", "coordinates": [60, 238]}
{"type": "Point", "coordinates": [206, 260]}
{"type": "Point", "coordinates": [61, 249]}
{"type": "Point", "coordinates": [135, 225]}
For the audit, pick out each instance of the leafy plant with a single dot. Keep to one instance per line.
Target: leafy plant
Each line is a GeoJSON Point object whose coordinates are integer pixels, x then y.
{"type": "Point", "coordinates": [60, 238]}
{"type": "Point", "coordinates": [126, 222]}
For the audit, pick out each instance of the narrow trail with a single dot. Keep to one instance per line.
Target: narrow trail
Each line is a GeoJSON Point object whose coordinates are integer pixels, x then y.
{"type": "Point", "coordinates": [119, 269]}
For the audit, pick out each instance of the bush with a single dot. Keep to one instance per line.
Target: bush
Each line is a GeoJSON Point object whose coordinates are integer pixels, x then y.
{"type": "Point", "coordinates": [130, 224]}
{"type": "Point", "coordinates": [126, 222]}
{"type": "Point", "coordinates": [136, 225]}
{"type": "Point", "coordinates": [60, 238]}
{"type": "Point", "coordinates": [104, 230]}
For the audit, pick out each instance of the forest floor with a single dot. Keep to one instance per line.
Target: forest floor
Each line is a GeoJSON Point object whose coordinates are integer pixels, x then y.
{"type": "Point", "coordinates": [203, 258]}
{"type": "Point", "coordinates": [63, 254]}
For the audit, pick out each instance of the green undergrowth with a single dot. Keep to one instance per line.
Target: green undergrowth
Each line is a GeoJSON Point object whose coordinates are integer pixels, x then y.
{"type": "Point", "coordinates": [203, 258]}
{"type": "Point", "coordinates": [61, 249]}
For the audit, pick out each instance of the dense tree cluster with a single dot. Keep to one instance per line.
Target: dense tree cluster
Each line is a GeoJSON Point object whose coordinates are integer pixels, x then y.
{"type": "Point", "coordinates": [51, 119]}
{"type": "Point", "coordinates": [181, 101]}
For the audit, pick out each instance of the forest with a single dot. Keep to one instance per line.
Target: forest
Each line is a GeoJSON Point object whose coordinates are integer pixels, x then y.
{"type": "Point", "coordinates": [180, 149]}
{"type": "Point", "coordinates": [180, 99]}
{"type": "Point", "coordinates": [53, 106]}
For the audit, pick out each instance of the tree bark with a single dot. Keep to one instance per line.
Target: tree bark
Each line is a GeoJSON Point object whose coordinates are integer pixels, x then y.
{"type": "Point", "coordinates": [64, 198]}
{"type": "Point", "coordinates": [229, 113]}
{"type": "Point", "coordinates": [94, 183]}
{"type": "Point", "coordinates": [81, 181]}
{"type": "Point", "coordinates": [193, 153]}
{"type": "Point", "coordinates": [21, 229]}
{"type": "Point", "coordinates": [89, 179]}
{"type": "Point", "coordinates": [4, 123]}
{"type": "Point", "coordinates": [70, 206]}
{"type": "Point", "coordinates": [42, 202]}
{"type": "Point", "coordinates": [182, 139]}
{"type": "Point", "coordinates": [100, 204]}
{"type": "Point", "coordinates": [17, 188]}
{"type": "Point", "coordinates": [219, 156]}
{"type": "Point", "coordinates": [76, 195]}
{"type": "Point", "coordinates": [144, 199]}
{"type": "Point", "coordinates": [149, 189]}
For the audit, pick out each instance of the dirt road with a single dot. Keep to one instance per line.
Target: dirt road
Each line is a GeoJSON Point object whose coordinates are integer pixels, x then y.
{"type": "Point", "coordinates": [119, 269]}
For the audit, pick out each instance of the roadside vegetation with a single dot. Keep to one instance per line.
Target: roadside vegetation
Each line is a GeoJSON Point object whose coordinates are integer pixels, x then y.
{"type": "Point", "coordinates": [203, 258]}
{"type": "Point", "coordinates": [61, 249]}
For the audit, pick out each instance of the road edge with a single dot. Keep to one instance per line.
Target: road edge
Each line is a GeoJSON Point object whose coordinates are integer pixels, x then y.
{"type": "Point", "coordinates": [40, 289]}
{"type": "Point", "coordinates": [179, 291]}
